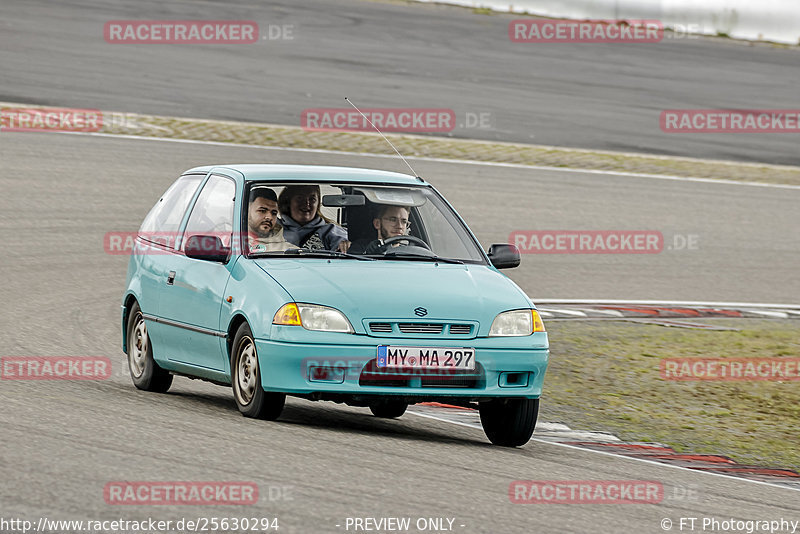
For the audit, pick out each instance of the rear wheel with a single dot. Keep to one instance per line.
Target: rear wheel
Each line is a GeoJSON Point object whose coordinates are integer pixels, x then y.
{"type": "Point", "coordinates": [509, 422]}
{"type": "Point", "coordinates": [145, 372]}
{"type": "Point", "coordinates": [388, 409]}
{"type": "Point", "coordinates": [251, 399]}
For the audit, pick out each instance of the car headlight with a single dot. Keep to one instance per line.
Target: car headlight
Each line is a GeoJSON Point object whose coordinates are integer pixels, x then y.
{"type": "Point", "coordinates": [312, 317]}
{"type": "Point", "coordinates": [517, 323]}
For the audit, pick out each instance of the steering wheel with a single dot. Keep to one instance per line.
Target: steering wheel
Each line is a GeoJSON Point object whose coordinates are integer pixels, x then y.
{"type": "Point", "coordinates": [411, 238]}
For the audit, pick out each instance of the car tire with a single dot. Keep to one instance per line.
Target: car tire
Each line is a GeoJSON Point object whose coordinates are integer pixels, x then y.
{"type": "Point", "coordinates": [509, 422]}
{"type": "Point", "coordinates": [145, 372]}
{"type": "Point", "coordinates": [251, 399]}
{"type": "Point", "coordinates": [388, 409]}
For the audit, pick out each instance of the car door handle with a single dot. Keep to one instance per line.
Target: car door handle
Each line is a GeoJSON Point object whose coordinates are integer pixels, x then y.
{"type": "Point", "coordinates": [171, 278]}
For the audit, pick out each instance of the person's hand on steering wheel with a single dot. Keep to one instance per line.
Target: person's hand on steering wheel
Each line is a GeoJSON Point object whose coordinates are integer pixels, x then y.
{"type": "Point", "coordinates": [376, 247]}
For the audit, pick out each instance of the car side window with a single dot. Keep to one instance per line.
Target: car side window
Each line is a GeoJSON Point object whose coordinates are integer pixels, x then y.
{"type": "Point", "coordinates": [213, 212]}
{"type": "Point", "coordinates": [165, 217]}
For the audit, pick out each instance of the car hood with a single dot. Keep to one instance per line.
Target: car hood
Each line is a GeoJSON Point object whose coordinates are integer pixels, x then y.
{"type": "Point", "coordinates": [395, 289]}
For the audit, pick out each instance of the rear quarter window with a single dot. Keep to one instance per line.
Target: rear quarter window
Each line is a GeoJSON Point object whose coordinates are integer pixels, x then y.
{"type": "Point", "coordinates": [162, 223]}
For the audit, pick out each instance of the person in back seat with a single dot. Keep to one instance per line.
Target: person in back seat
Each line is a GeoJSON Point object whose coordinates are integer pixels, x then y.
{"type": "Point", "coordinates": [303, 222]}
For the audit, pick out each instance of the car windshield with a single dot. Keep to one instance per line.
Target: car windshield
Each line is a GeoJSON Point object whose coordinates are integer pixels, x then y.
{"type": "Point", "coordinates": [380, 222]}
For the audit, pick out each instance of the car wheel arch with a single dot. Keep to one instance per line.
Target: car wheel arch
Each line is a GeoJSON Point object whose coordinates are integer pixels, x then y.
{"type": "Point", "coordinates": [130, 300]}
{"type": "Point", "coordinates": [236, 321]}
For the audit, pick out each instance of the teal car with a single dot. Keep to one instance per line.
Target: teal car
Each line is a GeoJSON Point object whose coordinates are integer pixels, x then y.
{"type": "Point", "coordinates": [350, 285]}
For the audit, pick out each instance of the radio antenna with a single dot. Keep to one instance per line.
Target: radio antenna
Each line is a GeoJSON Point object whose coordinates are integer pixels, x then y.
{"type": "Point", "coordinates": [384, 138]}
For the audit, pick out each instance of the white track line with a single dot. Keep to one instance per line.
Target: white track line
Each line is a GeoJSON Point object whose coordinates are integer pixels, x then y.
{"type": "Point", "coordinates": [445, 160]}
{"type": "Point", "coordinates": [767, 313]}
{"type": "Point", "coordinates": [574, 313]}
{"type": "Point", "coordinates": [605, 453]}
{"type": "Point", "coordinates": [612, 313]}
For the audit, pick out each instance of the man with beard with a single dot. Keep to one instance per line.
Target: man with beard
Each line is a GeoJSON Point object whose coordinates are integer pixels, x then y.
{"type": "Point", "coordinates": [265, 230]}
{"type": "Point", "coordinates": [389, 221]}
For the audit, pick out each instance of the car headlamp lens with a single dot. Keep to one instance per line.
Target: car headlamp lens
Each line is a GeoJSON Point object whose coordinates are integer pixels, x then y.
{"type": "Point", "coordinates": [313, 317]}
{"type": "Point", "coordinates": [517, 323]}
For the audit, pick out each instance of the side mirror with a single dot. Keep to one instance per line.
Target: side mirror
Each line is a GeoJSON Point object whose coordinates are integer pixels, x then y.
{"type": "Point", "coordinates": [206, 247]}
{"type": "Point", "coordinates": [504, 256]}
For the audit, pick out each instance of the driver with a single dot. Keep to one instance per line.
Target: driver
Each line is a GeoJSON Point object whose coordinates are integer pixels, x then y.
{"type": "Point", "coordinates": [389, 221]}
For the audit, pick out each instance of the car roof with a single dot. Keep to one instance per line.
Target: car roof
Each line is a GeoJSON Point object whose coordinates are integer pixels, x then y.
{"type": "Point", "coordinates": [312, 173]}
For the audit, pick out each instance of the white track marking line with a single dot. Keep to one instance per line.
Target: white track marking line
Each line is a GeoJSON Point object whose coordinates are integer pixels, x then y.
{"type": "Point", "coordinates": [767, 313]}
{"type": "Point", "coordinates": [605, 453]}
{"type": "Point", "coordinates": [612, 313]}
{"type": "Point", "coordinates": [446, 160]}
{"type": "Point", "coordinates": [574, 313]}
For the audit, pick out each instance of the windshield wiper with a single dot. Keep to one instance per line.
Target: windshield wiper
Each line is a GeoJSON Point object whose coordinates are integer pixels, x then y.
{"type": "Point", "coordinates": [421, 257]}
{"type": "Point", "coordinates": [311, 253]}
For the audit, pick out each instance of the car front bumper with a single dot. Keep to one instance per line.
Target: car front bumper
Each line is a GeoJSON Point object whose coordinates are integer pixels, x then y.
{"type": "Point", "coordinates": [505, 367]}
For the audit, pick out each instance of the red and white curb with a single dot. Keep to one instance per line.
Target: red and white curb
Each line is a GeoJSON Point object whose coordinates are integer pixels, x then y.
{"type": "Point", "coordinates": [664, 313]}
{"type": "Point", "coordinates": [607, 443]}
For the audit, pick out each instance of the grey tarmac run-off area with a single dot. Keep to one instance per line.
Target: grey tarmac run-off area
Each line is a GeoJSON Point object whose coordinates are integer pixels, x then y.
{"type": "Point", "coordinates": [399, 54]}
{"type": "Point", "coordinates": [63, 441]}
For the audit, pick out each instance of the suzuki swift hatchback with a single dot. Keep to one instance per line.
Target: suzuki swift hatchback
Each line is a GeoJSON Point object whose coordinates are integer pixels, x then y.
{"type": "Point", "coordinates": [330, 283]}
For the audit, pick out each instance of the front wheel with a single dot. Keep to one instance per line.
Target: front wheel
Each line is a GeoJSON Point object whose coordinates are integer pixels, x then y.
{"type": "Point", "coordinates": [251, 399]}
{"type": "Point", "coordinates": [145, 372]}
{"type": "Point", "coordinates": [509, 422]}
{"type": "Point", "coordinates": [388, 409]}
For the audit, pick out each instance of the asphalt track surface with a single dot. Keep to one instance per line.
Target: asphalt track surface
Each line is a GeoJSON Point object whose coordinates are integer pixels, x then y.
{"type": "Point", "coordinates": [392, 54]}
{"type": "Point", "coordinates": [62, 441]}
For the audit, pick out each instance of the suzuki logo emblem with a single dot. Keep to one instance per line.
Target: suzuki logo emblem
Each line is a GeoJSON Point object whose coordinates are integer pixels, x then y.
{"type": "Point", "coordinates": [421, 312]}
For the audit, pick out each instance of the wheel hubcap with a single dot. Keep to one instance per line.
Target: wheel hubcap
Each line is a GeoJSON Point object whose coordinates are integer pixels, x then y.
{"type": "Point", "coordinates": [246, 371]}
{"type": "Point", "coordinates": [138, 346]}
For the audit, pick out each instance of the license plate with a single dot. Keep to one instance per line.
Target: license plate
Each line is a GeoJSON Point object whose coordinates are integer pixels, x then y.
{"type": "Point", "coordinates": [426, 357]}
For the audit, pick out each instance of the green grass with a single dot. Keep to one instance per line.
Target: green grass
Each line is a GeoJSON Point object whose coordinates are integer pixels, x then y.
{"type": "Point", "coordinates": [604, 375]}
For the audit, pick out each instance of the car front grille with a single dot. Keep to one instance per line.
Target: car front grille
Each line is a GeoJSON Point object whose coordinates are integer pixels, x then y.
{"type": "Point", "coordinates": [460, 329]}
{"type": "Point", "coordinates": [420, 328]}
{"type": "Point", "coordinates": [398, 328]}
